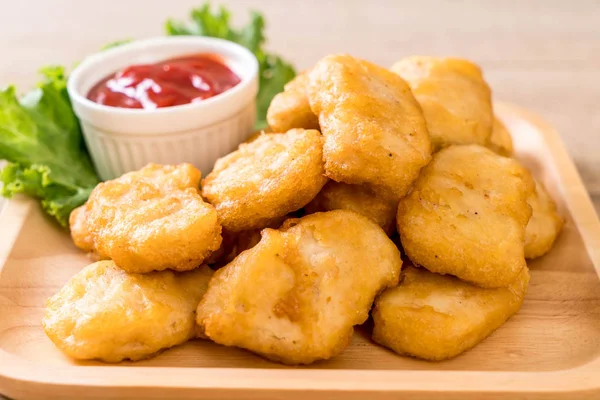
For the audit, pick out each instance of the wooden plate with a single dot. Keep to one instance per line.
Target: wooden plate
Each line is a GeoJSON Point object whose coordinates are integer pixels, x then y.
{"type": "Point", "coordinates": [550, 349]}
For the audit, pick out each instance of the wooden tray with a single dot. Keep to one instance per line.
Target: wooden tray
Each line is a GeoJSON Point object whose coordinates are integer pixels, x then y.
{"type": "Point", "coordinates": [549, 350]}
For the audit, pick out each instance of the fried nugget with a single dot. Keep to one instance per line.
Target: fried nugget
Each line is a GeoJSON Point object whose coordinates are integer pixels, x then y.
{"type": "Point", "coordinates": [466, 216]}
{"type": "Point", "coordinates": [374, 130]}
{"type": "Point", "coordinates": [295, 296]}
{"type": "Point", "coordinates": [455, 99]}
{"type": "Point", "coordinates": [108, 314]}
{"type": "Point", "coordinates": [81, 235]}
{"type": "Point", "coordinates": [149, 220]}
{"type": "Point", "coordinates": [266, 179]}
{"type": "Point", "coordinates": [290, 109]}
{"type": "Point", "coordinates": [545, 223]}
{"type": "Point", "coordinates": [500, 141]}
{"type": "Point", "coordinates": [436, 317]}
{"type": "Point", "coordinates": [358, 198]}
{"type": "Point", "coordinates": [233, 244]}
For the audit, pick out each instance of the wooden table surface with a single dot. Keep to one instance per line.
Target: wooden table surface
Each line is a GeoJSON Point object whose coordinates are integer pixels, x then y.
{"type": "Point", "coordinates": [543, 54]}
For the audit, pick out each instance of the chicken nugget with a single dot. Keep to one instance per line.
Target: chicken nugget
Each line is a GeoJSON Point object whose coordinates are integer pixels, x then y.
{"type": "Point", "coordinates": [149, 220]}
{"type": "Point", "coordinates": [374, 130]}
{"type": "Point", "coordinates": [358, 198]}
{"type": "Point", "coordinates": [456, 100]}
{"type": "Point", "coordinates": [290, 109]}
{"type": "Point", "coordinates": [108, 314]}
{"type": "Point", "coordinates": [436, 317]}
{"type": "Point", "coordinates": [500, 140]}
{"type": "Point", "coordinates": [266, 179]}
{"type": "Point", "coordinates": [233, 244]}
{"type": "Point", "coordinates": [466, 216]}
{"type": "Point", "coordinates": [545, 223]}
{"type": "Point", "coordinates": [295, 296]}
{"type": "Point", "coordinates": [79, 227]}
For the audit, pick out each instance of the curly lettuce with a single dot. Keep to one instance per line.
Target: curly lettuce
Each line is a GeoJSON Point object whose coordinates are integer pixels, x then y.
{"type": "Point", "coordinates": [41, 139]}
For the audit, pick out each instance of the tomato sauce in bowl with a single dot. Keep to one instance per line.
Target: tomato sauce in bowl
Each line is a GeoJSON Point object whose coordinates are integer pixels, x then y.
{"type": "Point", "coordinates": [168, 83]}
{"type": "Point", "coordinates": [179, 101]}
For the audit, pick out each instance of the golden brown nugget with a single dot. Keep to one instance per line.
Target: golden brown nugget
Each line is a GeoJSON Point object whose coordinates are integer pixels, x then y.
{"type": "Point", "coordinates": [266, 179]}
{"type": "Point", "coordinates": [455, 99]}
{"type": "Point", "coordinates": [149, 220]}
{"type": "Point", "coordinates": [545, 223]}
{"type": "Point", "coordinates": [236, 242]}
{"type": "Point", "coordinates": [374, 130]}
{"type": "Point", "coordinates": [108, 314]}
{"type": "Point", "coordinates": [290, 109]}
{"type": "Point", "coordinates": [233, 244]}
{"type": "Point", "coordinates": [358, 198]}
{"type": "Point", "coordinates": [500, 140]}
{"type": "Point", "coordinates": [80, 233]}
{"type": "Point", "coordinates": [436, 317]}
{"type": "Point", "coordinates": [257, 134]}
{"type": "Point", "coordinates": [295, 296]}
{"type": "Point", "coordinates": [466, 216]}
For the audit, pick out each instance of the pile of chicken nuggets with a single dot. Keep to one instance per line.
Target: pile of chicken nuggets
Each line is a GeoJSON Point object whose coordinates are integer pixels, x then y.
{"type": "Point", "coordinates": [288, 243]}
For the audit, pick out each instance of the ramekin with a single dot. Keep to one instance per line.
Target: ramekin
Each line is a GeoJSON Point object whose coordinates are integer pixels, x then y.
{"type": "Point", "coordinates": [122, 140]}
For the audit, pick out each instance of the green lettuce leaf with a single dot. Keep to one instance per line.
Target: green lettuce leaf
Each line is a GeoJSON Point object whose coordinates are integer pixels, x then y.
{"type": "Point", "coordinates": [41, 139]}
{"type": "Point", "coordinates": [274, 72]}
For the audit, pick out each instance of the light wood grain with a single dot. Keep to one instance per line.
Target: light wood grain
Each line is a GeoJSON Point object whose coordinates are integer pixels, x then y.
{"type": "Point", "coordinates": [549, 350]}
{"type": "Point", "coordinates": [541, 54]}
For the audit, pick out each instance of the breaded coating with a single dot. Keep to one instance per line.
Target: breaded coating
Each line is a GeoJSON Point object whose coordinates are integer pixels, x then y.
{"type": "Point", "coordinates": [111, 315]}
{"type": "Point", "coordinates": [149, 220]}
{"type": "Point", "coordinates": [266, 179]}
{"type": "Point", "coordinates": [455, 99]}
{"type": "Point", "coordinates": [295, 296]}
{"type": "Point", "coordinates": [233, 244]}
{"type": "Point", "coordinates": [290, 109]}
{"type": "Point", "coordinates": [545, 223]}
{"type": "Point", "coordinates": [236, 242]}
{"type": "Point", "coordinates": [436, 317]}
{"type": "Point", "coordinates": [500, 141]}
{"type": "Point", "coordinates": [80, 233]}
{"type": "Point", "coordinates": [466, 216]}
{"type": "Point", "coordinates": [374, 130]}
{"type": "Point", "coordinates": [358, 198]}
{"type": "Point", "coordinates": [255, 136]}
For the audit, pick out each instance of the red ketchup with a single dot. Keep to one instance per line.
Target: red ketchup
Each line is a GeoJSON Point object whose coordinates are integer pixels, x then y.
{"type": "Point", "coordinates": [172, 82]}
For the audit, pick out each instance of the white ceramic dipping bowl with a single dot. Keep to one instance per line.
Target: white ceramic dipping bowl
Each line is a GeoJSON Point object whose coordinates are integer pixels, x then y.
{"type": "Point", "coordinates": [122, 140]}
